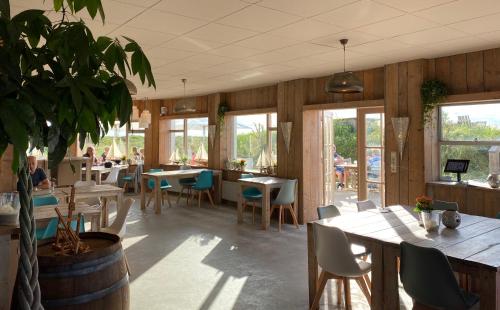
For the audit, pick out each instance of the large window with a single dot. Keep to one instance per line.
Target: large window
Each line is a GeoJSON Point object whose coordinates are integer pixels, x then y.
{"type": "Point", "coordinates": [470, 132]}
{"type": "Point", "coordinates": [255, 140]}
{"type": "Point", "coordinates": [189, 140]}
{"type": "Point", "coordinates": [122, 141]}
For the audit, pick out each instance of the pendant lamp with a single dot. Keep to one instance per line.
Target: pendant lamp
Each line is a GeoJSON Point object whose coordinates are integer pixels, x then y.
{"type": "Point", "coordinates": [345, 82]}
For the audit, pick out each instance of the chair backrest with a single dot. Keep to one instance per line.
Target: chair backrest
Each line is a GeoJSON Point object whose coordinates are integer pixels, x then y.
{"type": "Point", "coordinates": [334, 251]}
{"type": "Point", "coordinates": [45, 200]}
{"type": "Point", "coordinates": [151, 182]}
{"type": "Point", "coordinates": [444, 205]}
{"type": "Point", "coordinates": [365, 205]}
{"type": "Point", "coordinates": [85, 183]}
{"type": "Point", "coordinates": [205, 179]}
{"type": "Point", "coordinates": [428, 278]}
{"type": "Point", "coordinates": [113, 175]}
{"type": "Point", "coordinates": [327, 211]}
{"type": "Point", "coordinates": [286, 194]}
{"type": "Point", "coordinates": [119, 226]}
{"type": "Point", "coordinates": [246, 175]}
{"type": "Point", "coordinates": [498, 215]}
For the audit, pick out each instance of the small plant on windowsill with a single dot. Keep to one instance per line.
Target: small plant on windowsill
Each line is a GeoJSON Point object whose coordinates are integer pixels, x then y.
{"type": "Point", "coordinates": [432, 92]}
{"type": "Point", "coordinates": [184, 160]}
{"type": "Point", "coordinates": [242, 163]}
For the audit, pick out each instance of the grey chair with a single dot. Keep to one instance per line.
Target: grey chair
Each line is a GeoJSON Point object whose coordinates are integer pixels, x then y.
{"type": "Point", "coordinates": [444, 205]}
{"type": "Point", "coordinates": [428, 278]}
{"type": "Point", "coordinates": [357, 250]}
{"type": "Point", "coordinates": [284, 201]}
{"type": "Point", "coordinates": [498, 215]}
{"type": "Point", "coordinates": [365, 205]}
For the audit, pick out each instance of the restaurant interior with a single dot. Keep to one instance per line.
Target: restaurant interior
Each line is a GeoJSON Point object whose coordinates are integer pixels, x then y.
{"type": "Point", "coordinates": [287, 148]}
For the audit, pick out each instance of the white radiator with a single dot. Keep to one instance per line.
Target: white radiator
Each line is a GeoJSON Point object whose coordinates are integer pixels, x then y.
{"type": "Point", "coordinates": [230, 191]}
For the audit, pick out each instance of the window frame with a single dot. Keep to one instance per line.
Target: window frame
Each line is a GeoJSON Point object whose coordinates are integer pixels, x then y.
{"type": "Point", "coordinates": [442, 142]}
{"type": "Point", "coordinates": [184, 132]}
{"type": "Point", "coordinates": [269, 131]}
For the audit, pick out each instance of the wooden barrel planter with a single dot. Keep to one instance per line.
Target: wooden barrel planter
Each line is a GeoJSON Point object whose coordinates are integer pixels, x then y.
{"type": "Point", "coordinates": [94, 280]}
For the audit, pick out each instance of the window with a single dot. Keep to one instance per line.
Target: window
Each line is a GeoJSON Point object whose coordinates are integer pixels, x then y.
{"type": "Point", "coordinates": [121, 141]}
{"type": "Point", "coordinates": [255, 140]}
{"type": "Point", "coordinates": [189, 140]}
{"type": "Point", "coordinates": [470, 132]}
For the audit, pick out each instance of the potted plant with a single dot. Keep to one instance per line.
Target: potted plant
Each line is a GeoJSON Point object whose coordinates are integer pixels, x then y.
{"type": "Point", "coordinates": [429, 218]}
{"type": "Point", "coordinates": [55, 89]}
{"type": "Point", "coordinates": [221, 112]}
{"type": "Point", "coordinates": [184, 161]}
{"type": "Point", "coordinates": [242, 164]}
{"type": "Point", "coordinates": [432, 93]}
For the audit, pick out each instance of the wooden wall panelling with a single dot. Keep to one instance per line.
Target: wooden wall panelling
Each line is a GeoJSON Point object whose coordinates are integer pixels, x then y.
{"type": "Point", "coordinates": [475, 72]}
{"type": "Point", "coordinates": [404, 180]}
{"type": "Point", "coordinates": [263, 97]}
{"type": "Point", "coordinates": [491, 72]}
{"type": "Point", "coordinates": [163, 141]}
{"type": "Point", "coordinates": [442, 69]}
{"type": "Point", "coordinates": [458, 74]}
{"type": "Point", "coordinates": [151, 150]}
{"type": "Point", "coordinates": [391, 110]}
{"type": "Point", "coordinates": [416, 75]}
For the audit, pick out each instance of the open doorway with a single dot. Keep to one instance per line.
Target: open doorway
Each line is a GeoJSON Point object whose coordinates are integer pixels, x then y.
{"type": "Point", "coordinates": [353, 152]}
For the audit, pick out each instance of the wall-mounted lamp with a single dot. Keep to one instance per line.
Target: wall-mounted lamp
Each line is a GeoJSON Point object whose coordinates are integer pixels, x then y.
{"type": "Point", "coordinates": [286, 130]}
{"type": "Point", "coordinates": [400, 125]}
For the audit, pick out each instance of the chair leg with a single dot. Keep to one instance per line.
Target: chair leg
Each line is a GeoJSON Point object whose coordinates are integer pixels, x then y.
{"type": "Point", "coordinates": [368, 281]}
{"type": "Point", "coordinates": [210, 198]}
{"type": "Point", "coordinates": [125, 186]}
{"type": "Point", "coordinates": [272, 210]}
{"type": "Point", "coordinates": [149, 200]}
{"type": "Point", "coordinates": [323, 278]}
{"type": "Point", "coordinates": [180, 194]}
{"type": "Point", "coordinates": [199, 199]}
{"type": "Point", "coordinates": [364, 288]}
{"type": "Point", "coordinates": [279, 217]}
{"type": "Point", "coordinates": [168, 199]}
{"type": "Point", "coordinates": [339, 291]}
{"type": "Point", "coordinates": [347, 293]}
{"type": "Point", "coordinates": [294, 217]}
{"type": "Point", "coordinates": [253, 213]}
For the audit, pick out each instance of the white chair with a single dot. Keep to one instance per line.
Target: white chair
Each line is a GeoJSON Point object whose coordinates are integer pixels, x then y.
{"type": "Point", "coordinates": [94, 201]}
{"type": "Point", "coordinates": [336, 260]}
{"type": "Point", "coordinates": [365, 205]}
{"type": "Point", "coordinates": [119, 225]}
{"type": "Point", "coordinates": [112, 177]}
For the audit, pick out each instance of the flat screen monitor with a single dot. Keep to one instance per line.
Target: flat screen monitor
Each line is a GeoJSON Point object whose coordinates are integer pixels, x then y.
{"type": "Point", "coordinates": [456, 165]}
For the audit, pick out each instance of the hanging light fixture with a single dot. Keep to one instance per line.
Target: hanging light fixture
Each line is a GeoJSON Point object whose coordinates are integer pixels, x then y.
{"type": "Point", "coordinates": [344, 82]}
{"type": "Point", "coordinates": [145, 118]}
{"type": "Point", "coordinates": [135, 114]}
{"type": "Point", "coordinates": [185, 104]}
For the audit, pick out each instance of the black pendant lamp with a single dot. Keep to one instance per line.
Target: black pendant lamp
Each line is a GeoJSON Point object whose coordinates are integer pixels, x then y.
{"type": "Point", "coordinates": [344, 82]}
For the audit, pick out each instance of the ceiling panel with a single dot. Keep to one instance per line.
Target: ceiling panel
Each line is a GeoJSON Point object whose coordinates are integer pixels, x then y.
{"type": "Point", "coordinates": [221, 33]}
{"type": "Point", "coordinates": [307, 29]}
{"type": "Point", "coordinates": [304, 8]}
{"type": "Point", "coordinates": [379, 47]}
{"type": "Point", "coordinates": [479, 25]}
{"type": "Point", "coordinates": [185, 43]}
{"type": "Point", "coordinates": [205, 10]}
{"type": "Point", "coordinates": [413, 5]}
{"type": "Point", "coordinates": [235, 51]}
{"type": "Point", "coordinates": [142, 3]}
{"type": "Point", "coordinates": [145, 38]}
{"type": "Point", "coordinates": [266, 42]}
{"type": "Point", "coordinates": [397, 26]}
{"type": "Point", "coordinates": [355, 38]}
{"type": "Point", "coordinates": [208, 59]}
{"type": "Point", "coordinates": [258, 18]}
{"type": "Point", "coordinates": [165, 22]}
{"type": "Point", "coordinates": [358, 14]}
{"type": "Point", "coordinates": [460, 10]}
{"type": "Point", "coordinates": [431, 36]}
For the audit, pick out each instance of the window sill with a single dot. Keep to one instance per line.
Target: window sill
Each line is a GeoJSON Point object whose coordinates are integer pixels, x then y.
{"type": "Point", "coordinates": [472, 184]}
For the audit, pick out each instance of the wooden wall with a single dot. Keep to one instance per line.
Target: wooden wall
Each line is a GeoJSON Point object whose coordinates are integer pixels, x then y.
{"type": "Point", "coordinates": [256, 98]}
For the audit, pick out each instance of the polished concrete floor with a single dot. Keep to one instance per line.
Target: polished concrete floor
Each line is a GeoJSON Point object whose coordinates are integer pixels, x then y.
{"type": "Point", "coordinates": [191, 258]}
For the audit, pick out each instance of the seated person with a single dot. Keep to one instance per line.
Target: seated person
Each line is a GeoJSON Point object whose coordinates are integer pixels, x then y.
{"type": "Point", "coordinates": [339, 171]}
{"type": "Point", "coordinates": [91, 154]}
{"type": "Point", "coordinates": [105, 154]}
{"type": "Point", "coordinates": [38, 176]}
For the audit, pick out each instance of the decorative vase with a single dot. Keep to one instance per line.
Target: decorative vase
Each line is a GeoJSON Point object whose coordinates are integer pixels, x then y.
{"type": "Point", "coordinates": [432, 220]}
{"type": "Point", "coordinates": [494, 180]}
{"type": "Point", "coordinates": [451, 219]}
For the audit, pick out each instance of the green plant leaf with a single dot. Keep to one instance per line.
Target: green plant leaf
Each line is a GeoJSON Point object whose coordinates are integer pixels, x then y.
{"type": "Point", "coordinates": [58, 5]}
{"type": "Point", "coordinates": [4, 9]}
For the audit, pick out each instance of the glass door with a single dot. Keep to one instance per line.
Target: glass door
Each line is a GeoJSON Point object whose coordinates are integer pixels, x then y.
{"type": "Point", "coordinates": [371, 153]}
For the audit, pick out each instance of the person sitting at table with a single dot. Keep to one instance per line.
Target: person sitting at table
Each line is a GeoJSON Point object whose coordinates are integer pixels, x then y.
{"type": "Point", "coordinates": [339, 171]}
{"type": "Point", "coordinates": [91, 154]}
{"type": "Point", "coordinates": [136, 154]}
{"type": "Point", "coordinates": [105, 154]}
{"type": "Point", "coordinates": [38, 176]}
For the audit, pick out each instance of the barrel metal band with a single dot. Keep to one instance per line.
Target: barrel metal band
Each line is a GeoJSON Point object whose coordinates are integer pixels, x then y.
{"type": "Point", "coordinates": [86, 298]}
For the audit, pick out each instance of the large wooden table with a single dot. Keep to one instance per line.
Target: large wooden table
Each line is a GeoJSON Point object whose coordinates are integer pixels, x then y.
{"type": "Point", "coordinates": [174, 175]}
{"type": "Point", "coordinates": [473, 248]}
{"type": "Point", "coordinates": [100, 170]}
{"type": "Point", "coordinates": [265, 185]}
{"type": "Point", "coordinates": [103, 191]}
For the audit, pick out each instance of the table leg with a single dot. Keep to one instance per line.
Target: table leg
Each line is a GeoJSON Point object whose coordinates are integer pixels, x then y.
{"type": "Point", "coordinates": [377, 289]}
{"type": "Point", "coordinates": [98, 177]}
{"type": "Point", "coordinates": [143, 193]}
{"type": "Point", "coordinates": [266, 207]}
{"type": "Point", "coordinates": [312, 264]}
{"type": "Point", "coordinates": [218, 195]}
{"type": "Point", "coordinates": [104, 213]}
{"type": "Point", "coordinates": [240, 205]}
{"type": "Point", "coordinates": [391, 275]}
{"type": "Point", "coordinates": [490, 289]}
{"type": "Point", "coordinates": [158, 196]}
{"type": "Point", "coordinates": [119, 201]}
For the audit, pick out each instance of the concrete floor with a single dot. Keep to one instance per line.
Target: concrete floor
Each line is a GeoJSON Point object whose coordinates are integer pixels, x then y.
{"type": "Point", "coordinates": [191, 258]}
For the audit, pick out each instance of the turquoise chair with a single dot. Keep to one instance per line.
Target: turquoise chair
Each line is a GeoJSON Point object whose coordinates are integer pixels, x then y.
{"type": "Point", "coordinates": [251, 194]}
{"type": "Point", "coordinates": [357, 250]}
{"type": "Point", "coordinates": [284, 201]}
{"type": "Point", "coordinates": [427, 277]}
{"type": "Point", "coordinates": [51, 229]}
{"type": "Point", "coordinates": [164, 186]}
{"type": "Point", "coordinates": [186, 183]}
{"type": "Point", "coordinates": [498, 215]}
{"type": "Point", "coordinates": [204, 184]}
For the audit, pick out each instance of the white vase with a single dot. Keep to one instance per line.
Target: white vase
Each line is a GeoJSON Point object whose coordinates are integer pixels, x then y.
{"type": "Point", "coordinates": [431, 220]}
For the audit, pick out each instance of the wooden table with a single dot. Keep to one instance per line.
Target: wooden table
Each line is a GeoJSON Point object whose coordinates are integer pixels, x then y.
{"type": "Point", "coordinates": [173, 175]}
{"type": "Point", "coordinates": [265, 185]}
{"type": "Point", "coordinates": [93, 213]}
{"type": "Point", "coordinates": [473, 248]}
{"type": "Point", "coordinates": [100, 170]}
